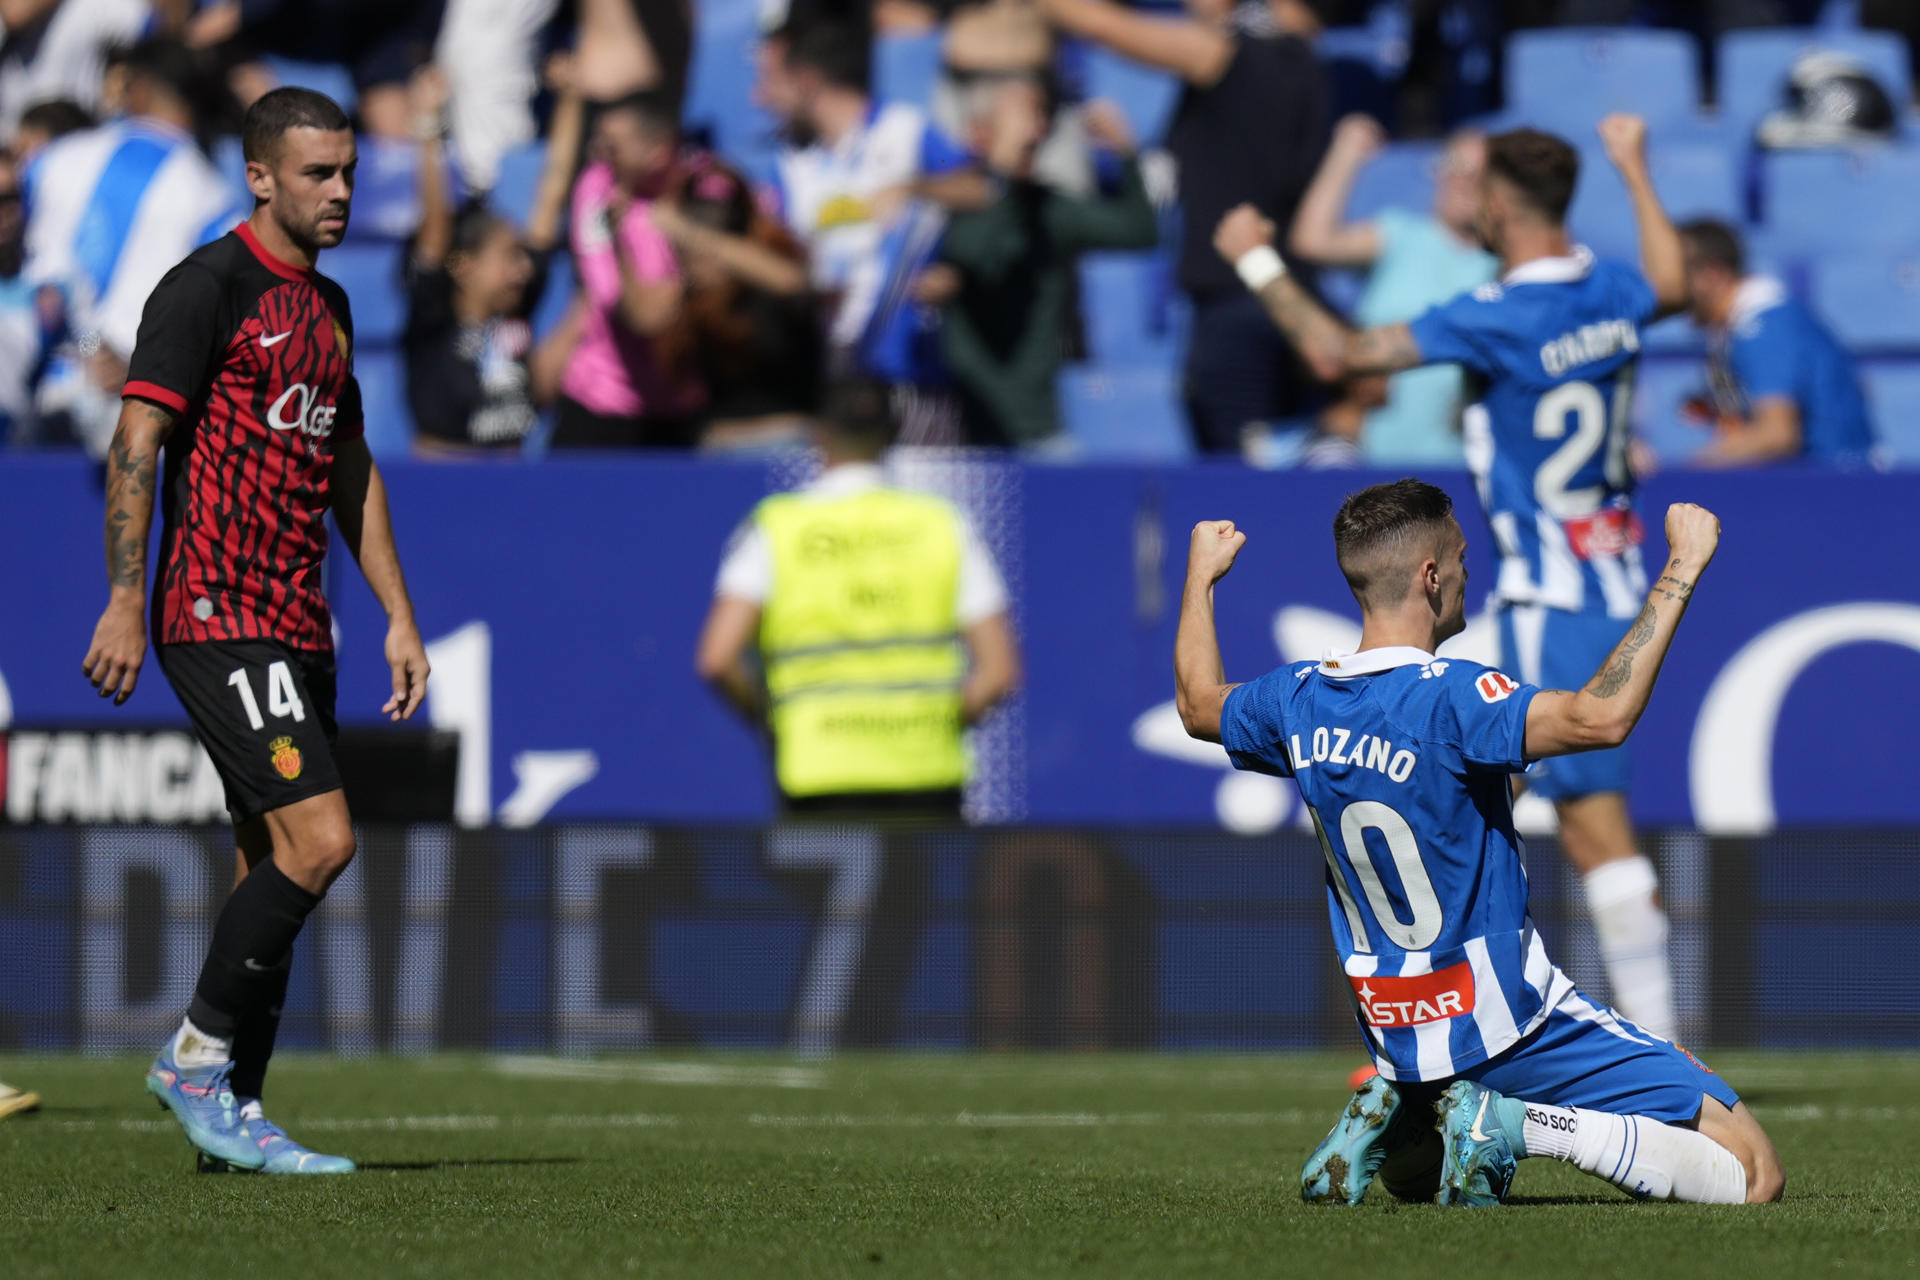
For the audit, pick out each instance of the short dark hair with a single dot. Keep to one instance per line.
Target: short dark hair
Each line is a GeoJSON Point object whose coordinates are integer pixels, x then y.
{"type": "Point", "coordinates": [1374, 519]}
{"type": "Point", "coordinates": [654, 110]}
{"type": "Point", "coordinates": [284, 109]}
{"type": "Point", "coordinates": [1713, 242]}
{"type": "Point", "coordinates": [56, 117]}
{"type": "Point", "coordinates": [840, 51]}
{"type": "Point", "coordinates": [1541, 167]}
{"type": "Point", "coordinates": [860, 411]}
{"type": "Point", "coordinates": [166, 61]}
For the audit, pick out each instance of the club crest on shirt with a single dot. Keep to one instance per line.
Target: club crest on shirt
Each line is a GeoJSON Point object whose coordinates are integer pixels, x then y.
{"type": "Point", "coordinates": [286, 758]}
{"type": "Point", "coordinates": [340, 342]}
{"type": "Point", "coordinates": [1493, 686]}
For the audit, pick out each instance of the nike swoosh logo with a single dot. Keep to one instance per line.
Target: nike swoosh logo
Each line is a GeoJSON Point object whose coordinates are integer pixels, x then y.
{"type": "Point", "coordinates": [276, 338]}
{"type": "Point", "coordinates": [1475, 1133]}
{"type": "Point", "coordinates": [257, 967]}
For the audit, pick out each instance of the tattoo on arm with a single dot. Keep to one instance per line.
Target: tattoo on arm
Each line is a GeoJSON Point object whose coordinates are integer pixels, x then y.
{"type": "Point", "coordinates": [1386, 349]}
{"type": "Point", "coordinates": [1619, 669]}
{"type": "Point", "coordinates": [1312, 330]}
{"type": "Point", "coordinates": [1676, 589]}
{"type": "Point", "coordinates": [131, 472]}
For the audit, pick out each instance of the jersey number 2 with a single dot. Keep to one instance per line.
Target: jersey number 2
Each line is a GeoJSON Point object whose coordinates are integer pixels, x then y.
{"type": "Point", "coordinates": [1596, 426]}
{"type": "Point", "coordinates": [1356, 820]}
{"type": "Point", "coordinates": [283, 699]}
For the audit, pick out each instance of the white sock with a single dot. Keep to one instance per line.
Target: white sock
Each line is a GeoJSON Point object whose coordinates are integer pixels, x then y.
{"type": "Point", "coordinates": [193, 1047]}
{"type": "Point", "coordinates": [1642, 1157]}
{"type": "Point", "coordinates": [1632, 930]}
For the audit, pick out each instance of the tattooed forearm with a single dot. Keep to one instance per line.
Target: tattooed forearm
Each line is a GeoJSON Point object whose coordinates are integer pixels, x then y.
{"type": "Point", "coordinates": [132, 466]}
{"type": "Point", "coordinates": [1619, 669]}
{"type": "Point", "coordinates": [1314, 333]}
{"type": "Point", "coordinates": [1678, 590]}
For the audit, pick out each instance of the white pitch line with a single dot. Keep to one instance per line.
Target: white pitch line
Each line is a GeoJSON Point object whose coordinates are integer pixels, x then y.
{"type": "Point", "coordinates": [527, 1067]}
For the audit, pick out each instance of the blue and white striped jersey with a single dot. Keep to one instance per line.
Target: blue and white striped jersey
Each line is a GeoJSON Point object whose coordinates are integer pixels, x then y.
{"type": "Point", "coordinates": [1404, 760]}
{"type": "Point", "coordinates": [1552, 347]}
{"type": "Point", "coordinates": [111, 210]}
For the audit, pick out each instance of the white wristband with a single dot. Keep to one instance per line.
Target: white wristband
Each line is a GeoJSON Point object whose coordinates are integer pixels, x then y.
{"type": "Point", "coordinates": [1259, 267]}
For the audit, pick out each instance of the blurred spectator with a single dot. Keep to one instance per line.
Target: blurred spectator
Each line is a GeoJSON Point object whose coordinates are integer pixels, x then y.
{"type": "Point", "coordinates": [616, 390]}
{"type": "Point", "coordinates": [58, 49]}
{"type": "Point", "coordinates": [44, 122]}
{"type": "Point", "coordinates": [1780, 385]}
{"type": "Point", "coordinates": [1249, 129]}
{"type": "Point", "coordinates": [1009, 39]}
{"type": "Point", "coordinates": [1414, 260]}
{"type": "Point", "coordinates": [1006, 271]}
{"type": "Point", "coordinates": [488, 51]}
{"type": "Point", "coordinates": [850, 170]}
{"type": "Point", "coordinates": [749, 330]}
{"type": "Point", "coordinates": [380, 42]}
{"type": "Point", "coordinates": [109, 211]}
{"type": "Point", "coordinates": [632, 46]}
{"type": "Point", "coordinates": [23, 322]}
{"type": "Point", "coordinates": [476, 378]}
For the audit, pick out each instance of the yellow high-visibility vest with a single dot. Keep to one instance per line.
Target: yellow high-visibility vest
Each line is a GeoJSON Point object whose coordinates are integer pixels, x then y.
{"type": "Point", "coordinates": [861, 642]}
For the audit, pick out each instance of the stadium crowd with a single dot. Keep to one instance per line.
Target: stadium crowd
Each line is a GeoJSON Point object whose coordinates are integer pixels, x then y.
{"type": "Point", "coordinates": [655, 223]}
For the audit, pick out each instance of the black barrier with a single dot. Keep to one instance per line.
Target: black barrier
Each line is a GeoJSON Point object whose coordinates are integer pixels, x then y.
{"type": "Point", "coordinates": [816, 937]}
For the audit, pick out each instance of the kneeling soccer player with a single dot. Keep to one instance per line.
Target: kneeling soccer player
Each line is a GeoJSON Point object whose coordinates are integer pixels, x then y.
{"type": "Point", "coordinates": [1403, 759]}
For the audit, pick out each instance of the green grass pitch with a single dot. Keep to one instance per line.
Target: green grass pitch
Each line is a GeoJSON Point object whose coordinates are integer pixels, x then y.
{"type": "Point", "coordinates": [1096, 1165]}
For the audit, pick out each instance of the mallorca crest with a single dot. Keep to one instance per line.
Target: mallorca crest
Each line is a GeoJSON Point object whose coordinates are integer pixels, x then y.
{"type": "Point", "coordinates": [286, 758]}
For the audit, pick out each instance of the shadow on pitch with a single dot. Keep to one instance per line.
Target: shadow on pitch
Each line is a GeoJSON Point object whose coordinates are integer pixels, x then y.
{"type": "Point", "coordinates": [417, 1166]}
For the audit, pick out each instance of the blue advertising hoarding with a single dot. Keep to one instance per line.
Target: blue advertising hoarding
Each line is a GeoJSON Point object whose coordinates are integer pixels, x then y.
{"type": "Point", "coordinates": [561, 602]}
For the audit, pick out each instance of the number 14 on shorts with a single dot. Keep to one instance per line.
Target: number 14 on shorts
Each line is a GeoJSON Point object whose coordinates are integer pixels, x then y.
{"type": "Point", "coordinates": [283, 699]}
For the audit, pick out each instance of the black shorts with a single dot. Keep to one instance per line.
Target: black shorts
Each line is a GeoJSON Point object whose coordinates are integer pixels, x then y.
{"type": "Point", "coordinates": [264, 712]}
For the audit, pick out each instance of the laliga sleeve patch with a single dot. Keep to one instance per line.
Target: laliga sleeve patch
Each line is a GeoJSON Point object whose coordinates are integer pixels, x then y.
{"type": "Point", "coordinates": [1494, 687]}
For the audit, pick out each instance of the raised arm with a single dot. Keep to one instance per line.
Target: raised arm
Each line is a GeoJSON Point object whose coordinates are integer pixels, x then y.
{"type": "Point", "coordinates": [1772, 434]}
{"type": "Point", "coordinates": [1197, 53]}
{"type": "Point", "coordinates": [647, 307]}
{"type": "Point", "coordinates": [1662, 256]}
{"type": "Point", "coordinates": [119, 644]}
{"type": "Point", "coordinates": [1604, 712]}
{"type": "Point", "coordinates": [1334, 351]}
{"type": "Point", "coordinates": [427, 96]}
{"type": "Point", "coordinates": [1200, 678]}
{"type": "Point", "coordinates": [1321, 232]}
{"type": "Point", "coordinates": [360, 510]}
{"type": "Point", "coordinates": [546, 223]}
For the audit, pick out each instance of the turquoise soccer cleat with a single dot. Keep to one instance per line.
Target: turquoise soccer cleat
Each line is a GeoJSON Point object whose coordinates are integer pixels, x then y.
{"type": "Point", "coordinates": [1478, 1162]}
{"type": "Point", "coordinates": [201, 1099]}
{"type": "Point", "coordinates": [1342, 1167]}
{"type": "Point", "coordinates": [281, 1154]}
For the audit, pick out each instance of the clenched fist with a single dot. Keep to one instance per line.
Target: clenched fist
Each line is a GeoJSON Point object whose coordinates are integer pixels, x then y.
{"type": "Point", "coordinates": [1693, 533]}
{"type": "Point", "coordinates": [1623, 136]}
{"type": "Point", "coordinates": [1213, 548]}
{"type": "Point", "coordinates": [1244, 228]}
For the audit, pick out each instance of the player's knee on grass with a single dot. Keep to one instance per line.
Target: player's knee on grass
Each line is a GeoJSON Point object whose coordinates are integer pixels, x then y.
{"type": "Point", "coordinates": [1738, 1131]}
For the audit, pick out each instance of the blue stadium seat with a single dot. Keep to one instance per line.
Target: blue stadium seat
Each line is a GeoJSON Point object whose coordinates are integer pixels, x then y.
{"type": "Point", "coordinates": [1131, 413]}
{"type": "Point", "coordinates": [1148, 97]}
{"type": "Point", "coordinates": [1752, 68]}
{"type": "Point", "coordinates": [329, 78]}
{"type": "Point", "coordinates": [1863, 199]}
{"type": "Point", "coordinates": [370, 273]}
{"type": "Point", "coordinates": [1661, 384]}
{"type": "Point", "coordinates": [1123, 301]}
{"type": "Point", "coordinates": [1893, 397]}
{"type": "Point", "coordinates": [1870, 300]}
{"type": "Point", "coordinates": [513, 191]}
{"type": "Point", "coordinates": [906, 68]}
{"type": "Point", "coordinates": [1402, 176]}
{"type": "Point", "coordinates": [1565, 80]}
{"type": "Point", "coordinates": [720, 82]}
{"type": "Point", "coordinates": [382, 375]}
{"type": "Point", "coordinates": [1693, 180]}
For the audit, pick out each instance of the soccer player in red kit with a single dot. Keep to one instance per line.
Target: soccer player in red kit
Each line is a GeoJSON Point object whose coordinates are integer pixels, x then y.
{"type": "Point", "coordinates": [243, 370]}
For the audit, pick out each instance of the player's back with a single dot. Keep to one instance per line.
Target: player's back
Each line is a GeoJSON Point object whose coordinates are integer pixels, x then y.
{"type": "Point", "coordinates": [1405, 761]}
{"type": "Point", "coordinates": [1550, 351]}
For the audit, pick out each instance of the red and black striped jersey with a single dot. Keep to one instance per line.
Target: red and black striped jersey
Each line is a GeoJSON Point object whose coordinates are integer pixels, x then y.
{"type": "Point", "coordinates": [256, 356]}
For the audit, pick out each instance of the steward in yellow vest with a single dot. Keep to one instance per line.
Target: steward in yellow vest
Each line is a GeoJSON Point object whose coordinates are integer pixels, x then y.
{"type": "Point", "coordinates": [880, 625]}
